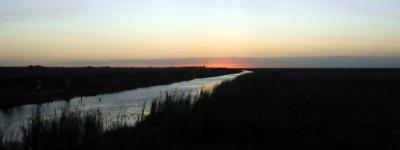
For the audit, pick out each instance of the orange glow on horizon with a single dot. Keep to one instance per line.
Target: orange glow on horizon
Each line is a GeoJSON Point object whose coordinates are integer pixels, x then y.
{"type": "Point", "coordinates": [224, 65]}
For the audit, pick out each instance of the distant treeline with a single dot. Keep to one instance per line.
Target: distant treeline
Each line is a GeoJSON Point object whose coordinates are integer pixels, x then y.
{"type": "Point", "coordinates": [281, 109]}
{"type": "Point", "coordinates": [36, 84]}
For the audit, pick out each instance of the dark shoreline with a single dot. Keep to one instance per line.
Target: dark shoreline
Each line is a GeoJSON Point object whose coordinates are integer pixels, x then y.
{"type": "Point", "coordinates": [37, 84]}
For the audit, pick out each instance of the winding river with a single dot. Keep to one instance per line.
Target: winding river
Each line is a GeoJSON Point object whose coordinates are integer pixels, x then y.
{"type": "Point", "coordinates": [126, 103]}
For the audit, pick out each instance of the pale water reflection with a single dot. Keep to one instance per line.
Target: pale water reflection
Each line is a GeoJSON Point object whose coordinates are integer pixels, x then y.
{"type": "Point", "coordinates": [127, 103]}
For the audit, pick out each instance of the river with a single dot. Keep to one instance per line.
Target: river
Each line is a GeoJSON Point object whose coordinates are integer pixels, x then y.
{"type": "Point", "coordinates": [126, 103]}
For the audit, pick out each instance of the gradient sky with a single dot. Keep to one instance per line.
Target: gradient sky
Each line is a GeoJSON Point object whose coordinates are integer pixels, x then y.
{"type": "Point", "coordinates": [53, 32]}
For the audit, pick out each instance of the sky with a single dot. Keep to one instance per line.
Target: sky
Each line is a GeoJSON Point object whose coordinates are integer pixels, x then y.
{"type": "Point", "coordinates": [64, 32]}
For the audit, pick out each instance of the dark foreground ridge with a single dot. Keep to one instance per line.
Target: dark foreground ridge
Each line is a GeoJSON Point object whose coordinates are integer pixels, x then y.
{"type": "Point", "coordinates": [269, 109]}
{"type": "Point", "coordinates": [36, 84]}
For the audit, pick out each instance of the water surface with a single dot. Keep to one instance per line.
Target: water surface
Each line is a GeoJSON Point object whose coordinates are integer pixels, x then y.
{"type": "Point", "coordinates": [126, 103]}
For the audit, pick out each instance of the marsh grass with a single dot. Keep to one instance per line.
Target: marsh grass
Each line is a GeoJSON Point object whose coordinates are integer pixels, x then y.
{"type": "Point", "coordinates": [69, 130]}
{"type": "Point", "coordinates": [287, 109]}
{"type": "Point", "coordinates": [269, 109]}
{"type": "Point", "coordinates": [4, 126]}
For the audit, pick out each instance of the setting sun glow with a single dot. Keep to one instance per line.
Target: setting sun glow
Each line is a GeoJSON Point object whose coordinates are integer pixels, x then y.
{"type": "Point", "coordinates": [223, 65]}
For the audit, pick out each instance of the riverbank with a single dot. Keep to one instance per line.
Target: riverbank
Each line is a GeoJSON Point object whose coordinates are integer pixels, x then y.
{"type": "Point", "coordinates": [35, 84]}
{"type": "Point", "coordinates": [284, 109]}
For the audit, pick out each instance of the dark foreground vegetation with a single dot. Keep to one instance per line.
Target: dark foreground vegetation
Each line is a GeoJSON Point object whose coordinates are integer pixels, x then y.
{"type": "Point", "coordinates": [269, 109]}
{"type": "Point", "coordinates": [36, 84]}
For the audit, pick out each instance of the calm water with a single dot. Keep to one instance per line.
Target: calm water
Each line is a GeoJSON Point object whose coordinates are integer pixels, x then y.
{"type": "Point", "coordinates": [127, 103]}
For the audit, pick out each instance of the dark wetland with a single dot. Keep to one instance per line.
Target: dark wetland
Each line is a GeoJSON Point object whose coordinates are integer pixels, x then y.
{"type": "Point", "coordinates": [37, 84]}
{"type": "Point", "coordinates": [266, 109]}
